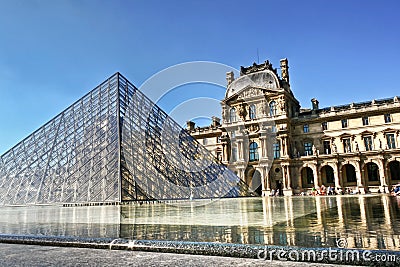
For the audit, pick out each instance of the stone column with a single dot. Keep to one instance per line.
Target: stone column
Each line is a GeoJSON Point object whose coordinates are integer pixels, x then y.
{"type": "Point", "coordinates": [224, 153]}
{"type": "Point", "coordinates": [289, 183]}
{"type": "Point", "coordinates": [299, 179]}
{"type": "Point", "coordinates": [241, 151]}
{"type": "Point", "coordinates": [284, 176]}
{"type": "Point", "coordinates": [360, 183]}
{"type": "Point", "coordinates": [383, 179]}
{"type": "Point", "coordinates": [336, 173]}
{"type": "Point", "coordinates": [262, 150]}
{"type": "Point", "coordinates": [284, 146]}
{"type": "Point", "coordinates": [241, 174]}
{"type": "Point", "coordinates": [239, 148]}
{"type": "Point", "coordinates": [316, 178]}
{"type": "Point", "coordinates": [287, 190]}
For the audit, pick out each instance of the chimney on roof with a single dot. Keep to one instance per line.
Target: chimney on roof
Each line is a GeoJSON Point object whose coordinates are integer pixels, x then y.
{"type": "Point", "coordinates": [230, 77]}
{"type": "Point", "coordinates": [215, 121]}
{"type": "Point", "coordinates": [285, 69]}
{"type": "Point", "coordinates": [315, 104]}
{"type": "Point", "coordinates": [190, 125]}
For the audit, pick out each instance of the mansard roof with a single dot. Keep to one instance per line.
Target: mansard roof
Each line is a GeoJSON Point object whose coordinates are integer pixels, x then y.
{"type": "Point", "coordinates": [265, 79]}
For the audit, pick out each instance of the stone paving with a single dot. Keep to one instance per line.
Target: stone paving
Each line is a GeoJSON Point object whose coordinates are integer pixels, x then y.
{"type": "Point", "coordinates": [34, 255]}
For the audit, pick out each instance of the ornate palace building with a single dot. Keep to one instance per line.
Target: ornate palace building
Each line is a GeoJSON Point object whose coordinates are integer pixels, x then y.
{"type": "Point", "coordinates": [270, 142]}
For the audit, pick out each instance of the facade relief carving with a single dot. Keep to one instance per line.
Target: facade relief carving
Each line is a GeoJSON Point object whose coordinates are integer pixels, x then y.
{"type": "Point", "coordinates": [253, 128]}
{"type": "Point", "coordinates": [261, 108]}
{"type": "Point", "coordinates": [251, 92]}
{"type": "Point", "coordinates": [281, 104]}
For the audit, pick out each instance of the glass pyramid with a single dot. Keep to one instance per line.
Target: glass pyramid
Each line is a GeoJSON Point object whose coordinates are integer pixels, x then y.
{"type": "Point", "coordinates": [112, 145]}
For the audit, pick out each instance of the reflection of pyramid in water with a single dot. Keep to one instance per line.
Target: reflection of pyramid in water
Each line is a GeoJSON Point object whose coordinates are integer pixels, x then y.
{"type": "Point", "coordinates": [86, 154]}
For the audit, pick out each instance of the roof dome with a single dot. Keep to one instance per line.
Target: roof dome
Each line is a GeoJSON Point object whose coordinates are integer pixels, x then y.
{"type": "Point", "coordinates": [265, 79]}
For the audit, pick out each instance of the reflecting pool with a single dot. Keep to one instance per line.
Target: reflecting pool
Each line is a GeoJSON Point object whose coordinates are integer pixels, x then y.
{"type": "Point", "coordinates": [368, 222]}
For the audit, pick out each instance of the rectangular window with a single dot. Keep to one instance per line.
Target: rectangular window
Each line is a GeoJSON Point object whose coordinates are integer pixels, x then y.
{"type": "Point", "coordinates": [305, 128]}
{"type": "Point", "coordinates": [277, 153]}
{"type": "Point", "coordinates": [344, 123]}
{"type": "Point", "coordinates": [324, 126]}
{"type": "Point", "coordinates": [232, 134]}
{"type": "Point", "coordinates": [308, 149]}
{"type": "Point", "coordinates": [390, 141]}
{"type": "Point", "coordinates": [327, 147]}
{"type": "Point", "coordinates": [388, 118]}
{"type": "Point", "coordinates": [346, 145]}
{"type": "Point", "coordinates": [368, 143]}
{"type": "Point", "coordinates": [365, 121]}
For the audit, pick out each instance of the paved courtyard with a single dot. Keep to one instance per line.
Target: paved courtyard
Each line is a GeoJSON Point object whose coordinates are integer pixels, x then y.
{"type": "Point", "coordinates": [32, 255]}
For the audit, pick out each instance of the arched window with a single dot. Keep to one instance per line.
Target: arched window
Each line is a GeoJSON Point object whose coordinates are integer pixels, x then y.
{"type": "Point", "coordinates": [253, 151]}
{"type": "Point", "coordinates": [232, 115]}
{"type": "Point", "coordinates": [252, 112]}
{"type": "Point", "coordinates": [272, 108]}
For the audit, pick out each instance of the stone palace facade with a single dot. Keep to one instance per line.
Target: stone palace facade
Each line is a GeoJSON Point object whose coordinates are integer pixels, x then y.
{"type": "Point", "coordinates": [270, 142]}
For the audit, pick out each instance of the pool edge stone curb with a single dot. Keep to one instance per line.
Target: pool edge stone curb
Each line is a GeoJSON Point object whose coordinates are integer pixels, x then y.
{"type": "Point", "coordinates": [261, 252]}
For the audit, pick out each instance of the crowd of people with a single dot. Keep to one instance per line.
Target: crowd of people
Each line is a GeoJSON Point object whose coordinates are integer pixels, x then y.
{"type": "Point", "coordinates": [395, 190]}
{"type": "Point", "coordinates": [330, 190]}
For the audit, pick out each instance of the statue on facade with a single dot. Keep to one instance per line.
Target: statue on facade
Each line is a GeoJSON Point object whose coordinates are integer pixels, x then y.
{"type": "Point", "coordinates": [225, 114]}
{"type": "Point", "coordinates": [294, 152]}
{"type": "Point", "coordinates": [261, 108]}
{"type": "Point", "coordinates": [314, 150]}
{"type": "Point", "coordinates": [334, 148]}
{"type": "Point", "coordinates": [281, 104]}
{"type": "Point", "coordinates": [242, 112]}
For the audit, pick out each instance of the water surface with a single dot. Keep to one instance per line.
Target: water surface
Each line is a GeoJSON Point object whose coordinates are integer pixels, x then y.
{"type": "Point", "coordinates": [369, 222]}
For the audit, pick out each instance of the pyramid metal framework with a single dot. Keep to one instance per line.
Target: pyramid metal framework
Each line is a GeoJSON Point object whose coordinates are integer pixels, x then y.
{"type": "Point", "coordinates": [112, 145]}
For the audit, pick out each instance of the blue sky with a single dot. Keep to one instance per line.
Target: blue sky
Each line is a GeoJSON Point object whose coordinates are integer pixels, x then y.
{"type": "Point", "coordinates": [53, 52]}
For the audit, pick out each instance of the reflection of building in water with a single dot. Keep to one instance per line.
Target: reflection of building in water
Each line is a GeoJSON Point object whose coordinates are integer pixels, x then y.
{"type": "Point", "coordinates": [269, 141]}
{"type": "Point", "coordinates": [365, 222]}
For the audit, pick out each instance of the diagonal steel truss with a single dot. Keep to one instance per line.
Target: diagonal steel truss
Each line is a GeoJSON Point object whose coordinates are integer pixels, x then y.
{"type": "Point", "coordinates": [112, 145]}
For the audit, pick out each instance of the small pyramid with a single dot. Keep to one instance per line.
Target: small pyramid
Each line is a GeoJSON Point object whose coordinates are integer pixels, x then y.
{"type": "Point", "coordinates": [112, 145]}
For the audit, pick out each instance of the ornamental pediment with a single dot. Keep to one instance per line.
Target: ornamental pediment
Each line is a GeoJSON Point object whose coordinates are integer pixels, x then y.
{"type": "Point", "coordinates": [345, 135]}
{"type": "Point", "coordinates": [366, 133]}
{"type": "Point", "coordinates": [327, 137]}
{"type": "Point", "coordinates": [389, 130]}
